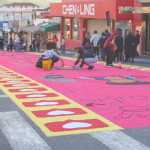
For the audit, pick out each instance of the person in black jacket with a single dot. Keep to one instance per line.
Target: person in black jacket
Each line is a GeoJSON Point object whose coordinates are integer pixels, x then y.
{"type": "Point", "coordinates": [130, 46]}
{"type": "Point", "coordinates": [1, 43]}
{"type": "Point", "coordinates": [137, 42]}
{"type": "Point", "coordinates": [101, 43]}
{"type": "Point", "coordinates": [86, 57]}
{"type": "Point", "coordinates": [119, 43]}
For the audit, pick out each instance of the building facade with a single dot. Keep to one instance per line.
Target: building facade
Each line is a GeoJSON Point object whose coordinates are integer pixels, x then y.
{"type": "Point", "coordinates": [14, 17]}
{"type": "Point", "coordinates": [81, 16]}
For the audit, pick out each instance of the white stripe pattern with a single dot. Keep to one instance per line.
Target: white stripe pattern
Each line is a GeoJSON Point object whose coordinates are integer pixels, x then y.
{"type": "Point", "coordinates": [3, 96]}
{"type": "Point", "coordinates": [19, 133]}
{"type": "Point", "coordinates": [117, 140]}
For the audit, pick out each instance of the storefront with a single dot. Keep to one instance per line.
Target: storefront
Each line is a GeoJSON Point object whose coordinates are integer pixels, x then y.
{"type": "Point", "coordinates": [145, 29]}
{"type": "Point", "coordinates": [4, 30]}
{"type": "Point", "coordinates": [77, 18]}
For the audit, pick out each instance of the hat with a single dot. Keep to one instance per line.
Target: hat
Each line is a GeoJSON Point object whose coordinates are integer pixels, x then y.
{"type": "Point", "coordinates": [116, 32]}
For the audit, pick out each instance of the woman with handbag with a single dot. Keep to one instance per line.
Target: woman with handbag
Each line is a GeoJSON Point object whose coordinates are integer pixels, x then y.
{"type": "Point", "coordinates": [110, 47]}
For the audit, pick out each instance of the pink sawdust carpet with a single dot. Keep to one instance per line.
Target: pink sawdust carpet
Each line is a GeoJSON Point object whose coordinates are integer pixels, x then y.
{"type": "Point", "coordinates": [119, 95]}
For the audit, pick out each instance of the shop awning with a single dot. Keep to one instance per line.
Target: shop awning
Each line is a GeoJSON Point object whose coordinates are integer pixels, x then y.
{"type": "Point", "coordinates": [51, 27]}
{"type": "Point", "coordinates": [31, 29]}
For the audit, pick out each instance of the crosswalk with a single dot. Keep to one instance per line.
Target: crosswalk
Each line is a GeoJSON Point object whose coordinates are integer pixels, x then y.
{"type": "Point", "coordinates": [117, 140]}
{"type": "Point", "coordinates": [21, 136]}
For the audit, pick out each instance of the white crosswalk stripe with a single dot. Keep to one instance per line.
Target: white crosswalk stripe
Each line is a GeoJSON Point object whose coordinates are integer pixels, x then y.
{"type": "Point", "coordinates": [3, 96]}
{"type": "Point", "coordinates": [19, 133]}
{"type": "Point", "coordinates": [21, 136]}
{"type": "Point", "coordinates": [117, 140]}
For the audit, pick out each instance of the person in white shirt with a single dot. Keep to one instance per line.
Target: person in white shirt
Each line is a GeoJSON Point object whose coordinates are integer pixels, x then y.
{"type": "Point", "coordinates": [17, 43]}
{"type": "Point", "coordinates": [94, 40]}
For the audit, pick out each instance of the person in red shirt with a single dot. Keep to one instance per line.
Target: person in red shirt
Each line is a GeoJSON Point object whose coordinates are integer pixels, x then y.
{"type": "Point", "coordinates": [110, 47]}
{"type": "Point", "coordinates": [54, 39]}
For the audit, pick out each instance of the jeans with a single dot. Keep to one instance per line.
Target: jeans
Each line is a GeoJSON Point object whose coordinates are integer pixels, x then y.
{"type": "Point", "coordinates": [38, 47]}
{"type": "Point", "coordinates": [63, 48]}
{"type": "Point", "coordinates": [17, 47]}
{"type": "Point", "coordinates": [90, 61]}
{"type": "Point", "coordinates": [34, 47]}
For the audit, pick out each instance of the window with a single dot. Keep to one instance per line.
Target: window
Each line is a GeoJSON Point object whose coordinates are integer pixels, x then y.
{"type": "Point", "coordinates": [76, 29]}
{"type": "Point", "coordinates": [67, 28]}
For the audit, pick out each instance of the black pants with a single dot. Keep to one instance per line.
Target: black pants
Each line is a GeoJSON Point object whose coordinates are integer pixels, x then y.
{"type": "Point", "coordinates": [54, 60]}
{"type": "Point", "coordinates": [38, 47]}
{"type": "Point", "coordinates": [109, 56]}
{"type": "Point", "coordinates": [1, 46]}
{"type": "Point", "coordinates": [96, 50]}
{"type": "Point", "coordinates": [116, 55]}
{"type": "Point", "coordinates": [120, 56]}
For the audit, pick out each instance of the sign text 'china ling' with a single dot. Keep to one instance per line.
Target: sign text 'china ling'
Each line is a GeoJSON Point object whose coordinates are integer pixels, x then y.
{"type": "Point", "coordinates": [81, 9]}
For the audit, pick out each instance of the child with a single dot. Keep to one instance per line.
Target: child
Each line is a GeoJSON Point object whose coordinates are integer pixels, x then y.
{"type": "Point", "coordinates": [49, 54]}
{"type": "Point", "coordinates": [25, 47]}
{"type": "Point", "coordinates": [63, 45]}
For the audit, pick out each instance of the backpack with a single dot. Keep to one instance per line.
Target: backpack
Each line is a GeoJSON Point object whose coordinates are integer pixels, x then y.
{"type": "Point", "coordinates": [39, 63]}
{"type": "Point", "coordinates": [87, 44]}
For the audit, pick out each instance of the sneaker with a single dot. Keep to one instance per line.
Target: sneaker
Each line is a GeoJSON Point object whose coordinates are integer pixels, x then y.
{"type": "Point", "coordinates": [91, 67]}
{"type": "Point", "coordinates": [109, 65]}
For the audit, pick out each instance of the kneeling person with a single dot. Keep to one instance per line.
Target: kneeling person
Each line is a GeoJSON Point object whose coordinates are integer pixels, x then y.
{"type": "Point", "coordinates": [86, 57]}
{"type": "Point", "coordinates": [49, 54]}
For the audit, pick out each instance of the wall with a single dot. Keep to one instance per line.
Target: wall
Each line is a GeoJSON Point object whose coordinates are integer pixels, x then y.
{"type": "Point", "coordinates": [97, 24]}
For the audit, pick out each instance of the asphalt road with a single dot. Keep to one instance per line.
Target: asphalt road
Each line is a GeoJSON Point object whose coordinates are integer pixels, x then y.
{"type": "Point", "coordinates": [18, 132]}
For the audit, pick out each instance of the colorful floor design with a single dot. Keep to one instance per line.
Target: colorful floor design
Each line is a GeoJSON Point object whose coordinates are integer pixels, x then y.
{"type": "Point", "coordinates": [54, 113]}
{"type": "Point", "coordinates": [88, 105]}
{"type": "Point", "coordinates": [117, 80]}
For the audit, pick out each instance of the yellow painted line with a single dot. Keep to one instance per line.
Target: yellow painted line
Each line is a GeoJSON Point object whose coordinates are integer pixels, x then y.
{"type": "Point", "coordinates": [41, 121]}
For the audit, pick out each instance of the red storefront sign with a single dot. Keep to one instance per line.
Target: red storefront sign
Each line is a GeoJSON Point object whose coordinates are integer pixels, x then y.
{"type": "Point", "coordinates": [96, 9]}
{"type": "Point", "coordinates": [91, 9]}
{"type": "Point", "coordinates": [45, 15]}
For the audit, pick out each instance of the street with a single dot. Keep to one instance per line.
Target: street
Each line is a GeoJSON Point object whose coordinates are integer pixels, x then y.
{"type": "Point", "coordinates": [100, 109]}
